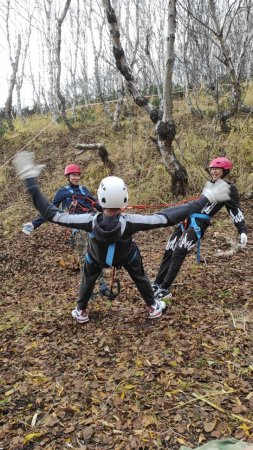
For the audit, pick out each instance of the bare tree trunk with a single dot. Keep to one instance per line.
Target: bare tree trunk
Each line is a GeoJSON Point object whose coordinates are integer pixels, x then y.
{"type": "Point", "coordinates": [118, 109]}
{"type": "Point", "coordinates": [121, 62]}
{"type": "Point", "coordinates": [84, 75]}
{"type": "Point", "coordinates": [164, 124]}
{"type": "Point", "coordinates": [50, 58]}
{"type": "Point", "coordinates": [19, 107]}
{"type": "Point", "coordinates": [20, 76]}
{"type": "Point", "coordinates": [152, 65]}
{"type": "Point", "coordinates": [8, 104]}
{"type": "Point", "coordinates": [97, 54]}
{"type": "Point", "coordinates": [76, 35]}
{"type": "Point", "coordinates": [227, 61]}
{"type": "Point", "coordinates": [36, 92]}
{"type": "Point", "coordinates": [61, 98]}
{"type": "Point", "coordinates": [166, 129]}
{"type": "Point", "coordinates": [195, 111]}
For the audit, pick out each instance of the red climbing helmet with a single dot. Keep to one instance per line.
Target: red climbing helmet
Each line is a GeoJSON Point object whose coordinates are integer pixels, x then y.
{"type": "Point", "coordinates": [72, 168]}
{"type": "Point", "coordinates": [222, 162]}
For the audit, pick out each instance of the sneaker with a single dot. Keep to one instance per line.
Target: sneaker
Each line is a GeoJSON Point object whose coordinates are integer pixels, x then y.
{"type": "Point", "coordinates": [162, 293]}
{"type": "Point", "coordinates": [157, 309]}
{"type": "Point", "coordinates": [80, 315]}
{"type": "Point", "coordinates": [155, 287]}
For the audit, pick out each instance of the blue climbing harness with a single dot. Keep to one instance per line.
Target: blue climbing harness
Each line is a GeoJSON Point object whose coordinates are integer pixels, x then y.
{"type": "Point", "coordinates": [110, 255]}
{"type": "Point", "coordinates": [80, 189]}
{"type": "Point", "coordinates": [193, 224]}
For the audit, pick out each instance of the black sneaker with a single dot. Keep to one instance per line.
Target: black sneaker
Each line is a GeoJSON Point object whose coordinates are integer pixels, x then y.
{"type": "Point", "coordinates": [155, 287]}
{"type": "Point", "coordinates": [161, 293]}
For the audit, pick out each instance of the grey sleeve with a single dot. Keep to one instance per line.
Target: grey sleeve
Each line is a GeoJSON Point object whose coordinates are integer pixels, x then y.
{"type": "Point", "coordinates": [51, 213]}
{"type": "Point", "coordinates": [165, 218]}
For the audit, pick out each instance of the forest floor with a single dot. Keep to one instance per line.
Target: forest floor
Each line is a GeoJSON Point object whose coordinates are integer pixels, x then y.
{"type": "Point", "coordinates": [122, 381]}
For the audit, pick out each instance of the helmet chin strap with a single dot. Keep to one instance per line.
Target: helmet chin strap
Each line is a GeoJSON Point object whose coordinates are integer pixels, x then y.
{"type": "Point", "coordinates": [225, 173]}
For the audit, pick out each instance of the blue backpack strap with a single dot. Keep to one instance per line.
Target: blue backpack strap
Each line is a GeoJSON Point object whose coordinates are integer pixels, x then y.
{"type": "Point", "coordinates": [197, 229]}
{"type": "Point", "coordinates": [82, 190]}
{"type": "Point", "coordinates": [110, 254]}
{"type": "Point", "coordinates": [69, 189]}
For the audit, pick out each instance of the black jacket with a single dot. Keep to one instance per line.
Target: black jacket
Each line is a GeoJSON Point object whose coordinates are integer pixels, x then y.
{"type": "Point", "coordinates": [233, 208]}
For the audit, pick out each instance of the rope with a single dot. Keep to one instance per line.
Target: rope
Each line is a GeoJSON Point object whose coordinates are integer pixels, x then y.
{"type": "Point", "coordinates": [163, 205]}
{"type": "Point", "coordinates": [75, 205]}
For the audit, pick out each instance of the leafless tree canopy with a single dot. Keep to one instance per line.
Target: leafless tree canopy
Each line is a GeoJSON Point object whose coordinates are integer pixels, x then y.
{"type": "Point", "coordinates": [59, 55]}
{"type": "Point", "coordinates": [213, 44]}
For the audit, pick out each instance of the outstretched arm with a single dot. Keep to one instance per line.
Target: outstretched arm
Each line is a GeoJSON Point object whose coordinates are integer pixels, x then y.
{"type": "Point", "coordinates": [39, 220]}
{"type": "Point", "coordinates": [27, 171]}
{"type": "Point", "coordinates": [171, 216]}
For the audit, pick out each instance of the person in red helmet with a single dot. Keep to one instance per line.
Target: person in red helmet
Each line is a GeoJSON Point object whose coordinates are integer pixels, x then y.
{"type": "Point", "coordinates": [73, 197]}
{"type": "Point", "coordinates": [186, 235]}
{"type": "Point", "coordinates": [76, 199]}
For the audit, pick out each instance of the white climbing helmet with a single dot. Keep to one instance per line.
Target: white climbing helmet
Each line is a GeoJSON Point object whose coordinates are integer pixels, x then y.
{"type": "Point", "coordinates": [112, 193]}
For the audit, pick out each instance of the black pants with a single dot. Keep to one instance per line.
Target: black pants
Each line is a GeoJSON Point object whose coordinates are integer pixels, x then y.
{"type": "Point", "coordinates": [178, 246]}
{"type": "Point", "coordinates": [135, 269]}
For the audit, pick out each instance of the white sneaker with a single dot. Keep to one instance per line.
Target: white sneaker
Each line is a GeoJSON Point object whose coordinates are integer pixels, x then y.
{"type": "Point", "coordinates": [80, 315]}
{"type": "Point", "coordinates": [157, 309]}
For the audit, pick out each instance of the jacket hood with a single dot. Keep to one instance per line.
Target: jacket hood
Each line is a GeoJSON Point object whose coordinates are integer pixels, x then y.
{"type": "Point", "coordinates": [107, 229]}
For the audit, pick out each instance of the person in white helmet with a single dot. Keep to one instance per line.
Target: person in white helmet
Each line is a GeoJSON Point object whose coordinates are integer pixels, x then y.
{"type": "Point", "coordinates": [111, 232]}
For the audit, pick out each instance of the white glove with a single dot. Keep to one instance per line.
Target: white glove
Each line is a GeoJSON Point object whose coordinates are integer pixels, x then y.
{"type": "Point", "coordinates": [28, 228]}
{"type": "Point", "coordinates": [244, 240]}
{"type": "Point", "coordinates": [216, 192]}
{"type": "Point", "coordinates": [25, 166]}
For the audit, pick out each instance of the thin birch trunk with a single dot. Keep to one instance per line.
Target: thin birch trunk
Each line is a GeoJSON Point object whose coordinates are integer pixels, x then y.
{"type": "Point", "coordinates": [97, 54]}
{"type": "Point", "coordinates": [20, 76]}
{"type": "Point", "coordinates": [166, 129]}
{"type": "Point", "coordinates": [14, 64]}
{"type": "Point", "coordinates": [61, 98]}
{"type": "Point", "coordinates": [50, 65]}
{"type": "Point", "coordinates": [117, 112]}
{"type": "Point", "coordinates": [227, 61]}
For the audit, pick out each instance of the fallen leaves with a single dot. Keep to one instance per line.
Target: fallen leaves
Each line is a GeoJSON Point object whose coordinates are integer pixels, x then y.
{"type": "Point", "coordinates": [122, 381]}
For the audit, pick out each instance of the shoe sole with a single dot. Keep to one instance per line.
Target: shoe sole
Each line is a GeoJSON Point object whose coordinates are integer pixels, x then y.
{"type": "Point", "coordinates": [80, 321]}
{"type": "Point", "coordinates": [155, 317]}
{"type": "Point", "coordinates": [159, 315]}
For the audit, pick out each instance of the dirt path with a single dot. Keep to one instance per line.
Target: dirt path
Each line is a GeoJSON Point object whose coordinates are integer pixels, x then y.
{"type": "Point", "coordinates": [122, 381]}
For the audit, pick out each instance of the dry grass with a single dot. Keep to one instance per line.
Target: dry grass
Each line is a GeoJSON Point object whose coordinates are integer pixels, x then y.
{"type": "Point", "coordinates": [131, 149]}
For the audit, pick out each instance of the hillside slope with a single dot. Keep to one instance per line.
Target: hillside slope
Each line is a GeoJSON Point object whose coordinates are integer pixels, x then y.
{"type": "Point", "coordinates": [119, 381]}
